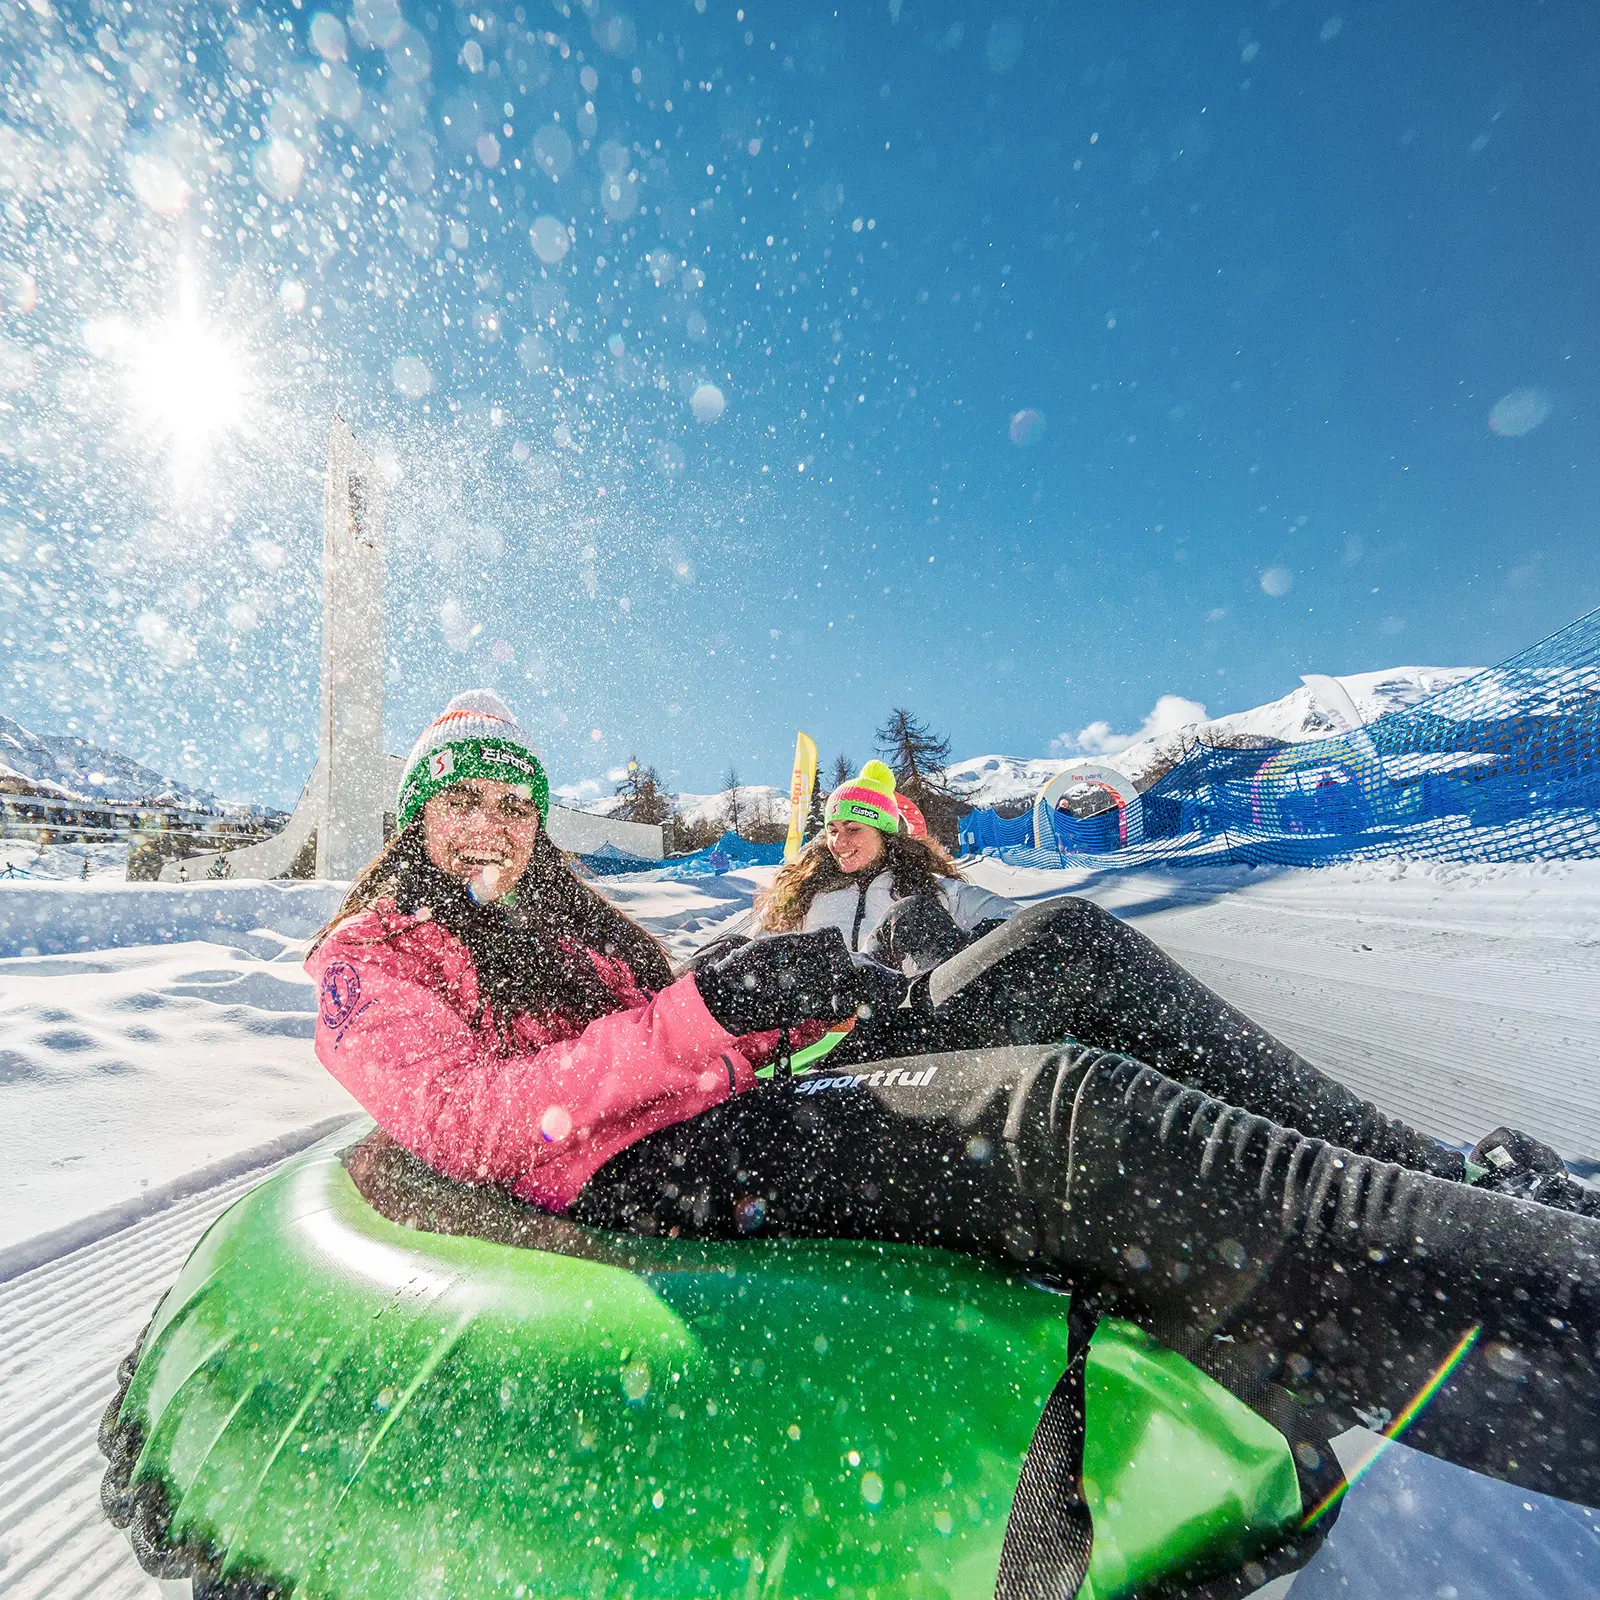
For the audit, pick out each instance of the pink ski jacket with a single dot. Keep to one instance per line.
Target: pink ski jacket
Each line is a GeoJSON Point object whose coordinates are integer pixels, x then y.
{"type": "Point", "coordinates": [541, 1113]}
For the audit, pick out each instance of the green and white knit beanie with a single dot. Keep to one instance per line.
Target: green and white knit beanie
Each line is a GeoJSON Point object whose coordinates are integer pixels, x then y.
{"type": "Point", "coordinates": [475, 736]}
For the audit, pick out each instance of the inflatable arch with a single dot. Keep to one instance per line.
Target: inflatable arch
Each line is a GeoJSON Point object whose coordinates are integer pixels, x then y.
{"type": "Point", "coordinates": [1130, 821]}
{"type": "Point", "coordinates": [1302, 770]}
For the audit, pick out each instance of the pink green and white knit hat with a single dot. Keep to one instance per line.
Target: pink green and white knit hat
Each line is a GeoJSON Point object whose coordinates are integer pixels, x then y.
{"type": "Point", "coordinates": [868, 799]}
{"type": "Point", "coordinates": [475, 736]}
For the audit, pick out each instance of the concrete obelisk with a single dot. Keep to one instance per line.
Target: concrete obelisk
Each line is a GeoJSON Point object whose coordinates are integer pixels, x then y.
{"type": "Point", "coordinates": [359, 790]}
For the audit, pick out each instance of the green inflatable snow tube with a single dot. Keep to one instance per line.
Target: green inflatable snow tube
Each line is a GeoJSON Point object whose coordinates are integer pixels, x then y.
{"type": "Point", "coordinates": [330, 1403]}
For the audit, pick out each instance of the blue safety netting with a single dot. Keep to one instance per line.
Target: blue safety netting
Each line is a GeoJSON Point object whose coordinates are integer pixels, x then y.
{"type": "Point", "coordinates": [610, 859]}
{"type": "Point", "coordinates": [988, 830]}
{"type": "Point", "coordinates": [1503, 766]}
{"type": "Point", "coordinates": [730, 853]}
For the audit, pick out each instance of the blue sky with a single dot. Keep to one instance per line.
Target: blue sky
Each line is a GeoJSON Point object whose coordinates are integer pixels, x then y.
{"type": "Point", "coordinates": [1022, 365]}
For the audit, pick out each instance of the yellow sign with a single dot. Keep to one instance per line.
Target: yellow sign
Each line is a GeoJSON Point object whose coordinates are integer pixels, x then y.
{"type": "Point", "coordinates": [801, 783]}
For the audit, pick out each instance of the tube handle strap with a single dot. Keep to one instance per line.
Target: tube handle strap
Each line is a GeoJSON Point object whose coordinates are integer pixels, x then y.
{"type": "Point", "coordinates": [1049, 1534]}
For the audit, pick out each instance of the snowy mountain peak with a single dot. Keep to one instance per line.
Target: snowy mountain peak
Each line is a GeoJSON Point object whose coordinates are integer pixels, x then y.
{"type": "Point", "coordinates": [1001, 780]}
{"type": "Point", "coordinates": [1299, 715]}
{"type": "Point", "coordinates": [72, 768]}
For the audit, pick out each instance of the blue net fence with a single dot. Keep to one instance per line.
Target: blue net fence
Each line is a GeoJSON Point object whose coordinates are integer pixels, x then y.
{"type": "Point", "coordinates": [1503, 766]}
{"type": "Point", "coordinates": [609, 861]}
{"type": "Point", "coordinates": [731, 853]}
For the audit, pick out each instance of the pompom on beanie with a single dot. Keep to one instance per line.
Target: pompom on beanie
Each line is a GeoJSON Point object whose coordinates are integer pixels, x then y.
{"type": "Point", "coordinates": [868, 799]}
{"type": "Point", "coordinates": [475, 736]}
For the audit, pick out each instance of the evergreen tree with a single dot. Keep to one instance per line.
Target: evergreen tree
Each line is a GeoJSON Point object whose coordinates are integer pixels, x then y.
{"type": "Point", "coordinates": [817, 816]}
{"type": "Point", "coordinates": [915, 753]}
{"type": "Point", "coordinates": [844, 769]}
{"type": "Point", "coordinates": [643, 799]}
{"type": "Point", "coordinates": [682, 836]}
{"type": "Point", "coordinates": [918, 756]}
{"type": "Point", "coordinates": [731, 800]}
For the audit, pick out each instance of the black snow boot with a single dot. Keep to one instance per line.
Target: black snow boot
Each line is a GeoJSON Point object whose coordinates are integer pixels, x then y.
{"type": "Point", "coordinates": [1508, 1162]}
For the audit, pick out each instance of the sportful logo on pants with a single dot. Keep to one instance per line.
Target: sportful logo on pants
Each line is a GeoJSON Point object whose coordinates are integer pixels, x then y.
{"type": "Point", "coordinates": [896, 1077]}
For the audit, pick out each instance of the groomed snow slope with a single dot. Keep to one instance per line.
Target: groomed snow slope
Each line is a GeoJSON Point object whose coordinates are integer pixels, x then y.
{"type": "Point", "coordinates": [147, 1030]}
{"type": "Point", "coordinates": [1456, 997]}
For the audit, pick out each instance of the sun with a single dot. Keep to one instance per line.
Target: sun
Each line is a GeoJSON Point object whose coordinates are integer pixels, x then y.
{"type": "Point", "coordinates": [186, 384]}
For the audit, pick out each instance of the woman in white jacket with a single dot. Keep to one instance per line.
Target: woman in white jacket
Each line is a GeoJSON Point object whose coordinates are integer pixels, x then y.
{"type": "Point", "coordinates": [972, 970]}
{"type": "Point", "coordinates": [894, 896]}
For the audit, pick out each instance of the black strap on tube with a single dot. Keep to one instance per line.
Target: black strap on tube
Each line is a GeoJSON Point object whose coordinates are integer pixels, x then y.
{"type": "Point", "coordinates": [1049, 1534]}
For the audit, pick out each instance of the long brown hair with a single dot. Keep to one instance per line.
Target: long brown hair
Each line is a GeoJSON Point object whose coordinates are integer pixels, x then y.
{"type": "Point", "coordinates": [916, 864]}
{"type": "Point", "coordinates": [530, 956]}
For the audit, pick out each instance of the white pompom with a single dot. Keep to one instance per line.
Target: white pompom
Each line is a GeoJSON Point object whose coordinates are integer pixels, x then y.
{"type": "Point", "coordinates": [484, 702]}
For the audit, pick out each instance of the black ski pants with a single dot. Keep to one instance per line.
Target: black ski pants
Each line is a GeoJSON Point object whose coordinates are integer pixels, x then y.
{"type": "Point", "coordinates": [1066, 969]}
{"type": "Point", "coordinates": [1061, 971]}
{"type": "Point", "coordinates": [1063, 1097]}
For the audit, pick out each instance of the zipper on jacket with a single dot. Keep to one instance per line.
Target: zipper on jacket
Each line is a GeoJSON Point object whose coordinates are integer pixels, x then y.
{"type": "Point", "coordinates": [861, 913]}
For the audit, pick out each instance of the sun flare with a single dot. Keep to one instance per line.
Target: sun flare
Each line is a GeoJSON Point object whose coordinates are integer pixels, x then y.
{"type": "Point", "coordinates": [185, 383]}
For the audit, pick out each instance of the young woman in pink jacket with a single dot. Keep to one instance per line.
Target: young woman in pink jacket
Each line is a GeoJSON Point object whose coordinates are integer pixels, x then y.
{"type": "Point", "coordinates": [500, 1019]}
{"type": "Point", "coordinates": [1057, 1094]}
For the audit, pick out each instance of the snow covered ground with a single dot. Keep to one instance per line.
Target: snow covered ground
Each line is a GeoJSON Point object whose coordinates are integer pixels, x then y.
{"type": "Point", "coordinates": [150, 1030]}
{"type": "Point", "coordinates": [21, 859]}
{"type": "Point", "coordinates": [147, 1031]}
{"type": "Point", "coordinates": [155, 1059]}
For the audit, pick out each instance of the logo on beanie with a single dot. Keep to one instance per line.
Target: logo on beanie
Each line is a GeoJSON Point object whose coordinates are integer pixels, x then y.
{"type": "Point", "coordinates": [498, 756]}
{"type": "Point", "coordinates": [858, 810]}
{"type": "Point", "coordinates": [471, 755]}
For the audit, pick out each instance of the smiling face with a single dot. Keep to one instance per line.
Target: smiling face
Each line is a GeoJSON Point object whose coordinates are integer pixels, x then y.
{"type": "Point", "coordinates": [854, 845]}
{"type": "Point", "coordinates": [482, 833]}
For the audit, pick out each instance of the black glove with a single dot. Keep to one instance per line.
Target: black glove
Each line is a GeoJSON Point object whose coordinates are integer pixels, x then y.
{"type": "Point", "coordinates": [710, 954]}
{"type": "Point", "coordinates": [1518, 1164]}
{"type": "Point", "coordinates": [878, 989]}
{"type": "Point", "coordinates": [779, 982]}
{"type": "Point", "coordinates": [918, 929]}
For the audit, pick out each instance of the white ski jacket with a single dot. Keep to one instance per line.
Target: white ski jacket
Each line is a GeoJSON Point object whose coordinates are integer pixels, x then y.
{"type": "Point", "coordinates": [856, 914]}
